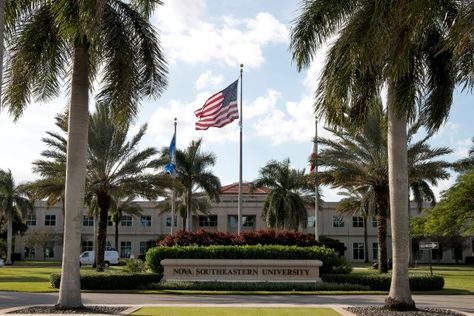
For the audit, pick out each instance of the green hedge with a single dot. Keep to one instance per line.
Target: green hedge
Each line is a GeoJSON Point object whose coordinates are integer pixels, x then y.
{"type": "Point", "coordinates": [381, 282]}
{"type": "Point", "coordinates": [331, 262]}
{"type": "Point", "coordinates": [257, 286]}
{"type": "Point", "coordinates": [110, 281]}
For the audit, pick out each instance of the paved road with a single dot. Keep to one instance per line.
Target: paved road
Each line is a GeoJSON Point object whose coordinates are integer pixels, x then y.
{"type": "Point", "coordinates": [12, 299]}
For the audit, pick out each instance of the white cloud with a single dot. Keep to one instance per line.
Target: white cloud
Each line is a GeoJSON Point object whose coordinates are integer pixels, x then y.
{"type": "Point", "coordinates": [187, 37]}
{"type": "Point", "coordinates": [209, 80]}
{"type": "Point", "coordinates": [178, 15]}
{"type": "Point", "coordinates": [21, 141]}
{"type": "Point", "coordinates": [262, 104]}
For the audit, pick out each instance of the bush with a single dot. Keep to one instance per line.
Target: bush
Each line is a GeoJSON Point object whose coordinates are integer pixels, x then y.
{"type": "Point", "coordinates": [260, 237]}
{"type": "Point", "coordinates": [327, 256]}
{"type": "Point", "coordinates": [257, 286]}
{"type": "Point", "coordinates": [381, 282]}
{"type": "Point", "coordinates": [333, 244]}
{"type": "Point", "coordinates": [110, 281]}
{"type": "Point", "coordinates": [135, 266]}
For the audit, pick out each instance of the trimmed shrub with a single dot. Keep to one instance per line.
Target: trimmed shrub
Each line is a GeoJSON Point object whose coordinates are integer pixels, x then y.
{"type": "Point", "coordinates": [327, 256]}
{"type": "Point", "coordinates": [260, 237]}
{"type": "Point", "coordinates": [257, 286]}
{"type": "Point", "coordinates": [110, 281]}
{"type": "Point", "coordinates": [381, 282]}
{"type": "Point", "coordinates": [135, 266]}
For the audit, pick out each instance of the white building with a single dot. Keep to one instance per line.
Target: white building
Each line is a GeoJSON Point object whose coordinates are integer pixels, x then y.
{"type": "Point", "coordinates": [43, 239]}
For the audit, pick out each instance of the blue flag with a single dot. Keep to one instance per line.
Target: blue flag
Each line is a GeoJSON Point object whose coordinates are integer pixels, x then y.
{"type": "Point", "coordinates": [171, 166]}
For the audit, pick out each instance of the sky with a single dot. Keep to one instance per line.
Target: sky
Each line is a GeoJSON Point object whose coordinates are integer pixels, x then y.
{"type": "Point", "coordinates": [205, 41]}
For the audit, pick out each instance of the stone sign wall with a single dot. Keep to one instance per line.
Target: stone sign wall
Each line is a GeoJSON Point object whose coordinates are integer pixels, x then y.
{"type": "Point", "coordinates": [245, 270]}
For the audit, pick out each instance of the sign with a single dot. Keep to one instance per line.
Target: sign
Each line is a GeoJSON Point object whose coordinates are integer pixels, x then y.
{"type": "Point", "coordinates": [248, 270]}
{"type": "Point", "coordinates": [427, 245]}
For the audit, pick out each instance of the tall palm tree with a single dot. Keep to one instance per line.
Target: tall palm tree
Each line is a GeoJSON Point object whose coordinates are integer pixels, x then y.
{"type": "Point", "coordinates": [68, 39]}
{"type": "Point", "coordinates": [285, 205]}
{"type": "Point", "coordinates": [361, 203]}
{"type": "Point", "coordinates": [13, 202]}
{"type": "Point", "coordinates": [402, 44]}
{"type": "Point", "coordinates": [193, 174]}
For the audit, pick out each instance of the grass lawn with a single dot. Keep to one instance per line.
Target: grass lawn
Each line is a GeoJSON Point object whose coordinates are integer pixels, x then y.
{"type": "Point", "coordinates": [26, 276]}
{"type": "Point", "coordinates": [458, 279]}
{"type": "Point", "coordinates": [233, 311]}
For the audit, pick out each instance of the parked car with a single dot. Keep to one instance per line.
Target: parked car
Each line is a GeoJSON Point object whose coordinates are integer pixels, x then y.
{"type": "Point", "coordinates": [111, 257]}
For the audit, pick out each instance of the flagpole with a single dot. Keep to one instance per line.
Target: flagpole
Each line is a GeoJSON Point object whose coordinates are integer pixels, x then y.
{"type": "Point", "coordinates": [173, 193]}
{"type": "Point", "coordinates": [239, 208]}
{"type": "Point", "coordinates": [316, 193]}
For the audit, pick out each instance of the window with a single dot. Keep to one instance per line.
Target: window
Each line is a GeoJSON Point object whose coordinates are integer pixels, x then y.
{"type": "Point", "coordinates": [374, 221]}
{"type": "Point", "coordinates": [168, 221]}
{"type": "Point", "coordinates": [125, 249]}
{"type": "Point", "coordinates": [87, 245]}
{"type": "Point", "coordinates": [311, 221]}
{"type": "Point", "coordinates": [208, 221]}
{"type": "Point", "coordinates": [50, 220]}
{"type": "Point", "coordinates": [29, 253]}
{"type": "Point", "coordinates": [145, 221]}
{"type": "Point", "coordinates": [375, 250]}
{"type": "Point", "coordinates": [87, 221]}
{"type": "Point", "coordinates": [109, 221]}
{"type": "Point", "coordinates": [248, 221]}
{"type": "Point", "coordinates": [357, 221]}
{"type": "Point", "coordinates": [49, 249]}
{"type": "Point", "coordinates": [31, 220]}
{"type": "Point", "coordinates": [126, 220]}
{"type": "Point", "coordinates": [143, 247]}
{"type": "Point", "coordinates": [358, 250]}
{"type": "Point", "coordinates": [337, 221]}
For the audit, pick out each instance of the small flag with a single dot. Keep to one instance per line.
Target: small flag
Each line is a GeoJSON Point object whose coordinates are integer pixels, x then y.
{"type": "Point", "coordinates": [312, 159]}
{"type": "Point", "coordinates": [219, 110]}
{"type": "Point", "coordinates": [171, 166]}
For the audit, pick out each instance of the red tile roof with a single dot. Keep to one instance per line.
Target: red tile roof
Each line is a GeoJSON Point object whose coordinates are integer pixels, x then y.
{"type": "Point", "coordinates": [234, 189]}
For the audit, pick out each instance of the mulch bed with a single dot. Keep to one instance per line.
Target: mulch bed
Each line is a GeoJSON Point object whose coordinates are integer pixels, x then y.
{"type": "Point", "coordinates": [380, 311]}
{"type": "Point", "coordinates": [111, 310]}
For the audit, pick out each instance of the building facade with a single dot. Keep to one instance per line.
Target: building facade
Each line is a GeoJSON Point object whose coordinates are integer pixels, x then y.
{"type": "Point", "coordinates": [44, 236]}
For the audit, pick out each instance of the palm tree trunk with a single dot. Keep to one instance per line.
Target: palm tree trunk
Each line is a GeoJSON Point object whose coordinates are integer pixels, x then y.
{"type": "Point", "coordinates": [381, 201]}
{"type": "Point", "coordinates": [2, 29]}
{"type": "Point", "coordinates": [9, 237]}
{"type": "Point", "coordinates": [399, 297]}
{"type": "Point", "coordinates": [366, 241]}
{"type": "Point", "coordinates": [103, 199]}
{"type": "Point", "coordinates": [70, 288]}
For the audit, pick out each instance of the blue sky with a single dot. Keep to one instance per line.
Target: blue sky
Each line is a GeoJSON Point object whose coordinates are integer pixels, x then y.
{"type": "Point", "coordinates": [205, 41]}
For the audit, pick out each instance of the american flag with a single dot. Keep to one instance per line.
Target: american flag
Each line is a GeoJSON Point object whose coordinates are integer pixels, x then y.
{"type": "Point", "coordinates": [219, 110]}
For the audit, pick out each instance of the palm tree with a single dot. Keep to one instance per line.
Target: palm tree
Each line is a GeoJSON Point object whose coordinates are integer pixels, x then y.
{"type": "Point", "coordinates": [55, 39]}
{"type": "Point", "coordinates": [358, 158]}
{"type": "Point", "coordinates": [120, 207]}
{"type": "Point", "coordinates": [361, 203]}
{"type": "Point", "coordinates": [116, 168]}
{"type": "Point", "coordinates": [285, 205]}
{"type": "Point", "coordinates": [192, 174]}
{"type": "Point", "coordinates": [200, 203]}
{"type": "Point", "coordinates": [402, 44]}
{"type": "Point", "coordinates": [13, 202]}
